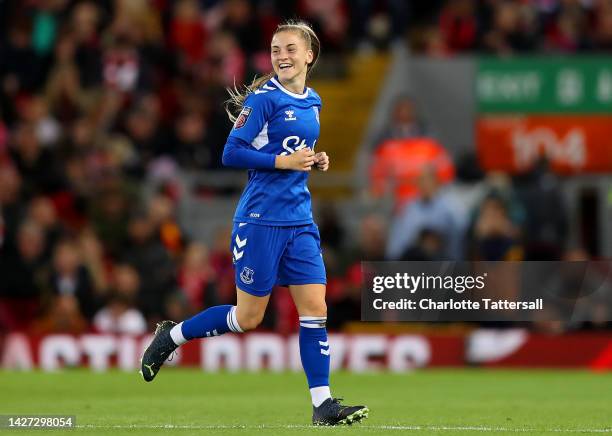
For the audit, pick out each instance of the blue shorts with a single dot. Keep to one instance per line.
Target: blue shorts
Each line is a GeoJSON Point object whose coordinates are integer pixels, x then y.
{"type": "Point", "coordinates": [265, 256]}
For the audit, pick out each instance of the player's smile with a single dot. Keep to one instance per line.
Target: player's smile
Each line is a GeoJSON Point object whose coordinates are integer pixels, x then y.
{"type": "Point", "coordinates": [286, 67]}
{"type": "Point", "coordinates": [290, 58]}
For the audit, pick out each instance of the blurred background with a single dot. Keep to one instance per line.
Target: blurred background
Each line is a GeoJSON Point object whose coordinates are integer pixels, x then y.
{"type": "Point", "coordinates": [457, 130]}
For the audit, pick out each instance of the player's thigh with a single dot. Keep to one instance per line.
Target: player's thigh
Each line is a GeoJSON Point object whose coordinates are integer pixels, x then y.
{"type": "Point", "coordinates": [309, 299]}
{"type": "Point", "coordinates": [302, 269]}
{"type": "Point", "coordinates": [256, 253]}
{"type": "Point", "coordinates": [302, 260]}
{"type": "Point", "coordinates": [250, 309]}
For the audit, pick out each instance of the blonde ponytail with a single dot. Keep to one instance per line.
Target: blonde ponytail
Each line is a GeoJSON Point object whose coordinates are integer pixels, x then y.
{"type": "Point", "coordinates": [237, 96]}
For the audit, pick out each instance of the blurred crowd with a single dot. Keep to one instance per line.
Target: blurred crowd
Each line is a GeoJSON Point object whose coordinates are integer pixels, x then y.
{"type": "Point", "coordinates": [97, 96]}
{"type": "Point", "coordinates": [495, 216]}
{"type": "Point", "coordinates": [515, 27]}
{"type": "Point", "coordinates": [446, 208]}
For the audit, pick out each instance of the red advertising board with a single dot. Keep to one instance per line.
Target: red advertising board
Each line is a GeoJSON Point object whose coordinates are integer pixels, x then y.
{"type": "Point", "coordinates": [572, 144]}
{"type": "Point", "coordinates": [353, 352]}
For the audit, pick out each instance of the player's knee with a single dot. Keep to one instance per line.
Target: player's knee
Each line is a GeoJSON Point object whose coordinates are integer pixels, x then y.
{"type": "Point", "coordinates": [315, 308]}
{"type": "Point", "coordinates": [249, 320]}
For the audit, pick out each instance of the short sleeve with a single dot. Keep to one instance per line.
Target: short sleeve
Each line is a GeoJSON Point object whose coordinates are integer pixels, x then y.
{"type": "Point", "coordinates": [255, 114]}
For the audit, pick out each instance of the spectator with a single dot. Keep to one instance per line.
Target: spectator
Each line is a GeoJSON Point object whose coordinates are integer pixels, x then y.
{"type": "Point", "coordinates": [92, 253]}
{"type": "Point", "coordinates": [434, 210]}
{"type": "Point", "coordinates": [120, 316]}
{"type": "Point", "coordinates": [513, 28]}
{"type": "Point", "coordinates": [36, 164]}
{"type": "Point", "coordinates": [329, 20]}
{"type": "Point", "coordinates": [567, 33]}
{"type": "Point", "coordinates": [458, 25]}
{"type": "Point", "coordinates": [428, 247]}
{"type": "Point", "coordinates": [369, 247]}
{"type": "Point", "coordinates": [191, 145]}
{"type": "Point", "coordinates": [42, 211]}
{"type": "Point", "coordinates": [197, 279]}
{"type": "Point", "coordinates": [22, 272]}
{"type": "Point", "coordinates": [11, 206]}
{"type": "Point", "coordinates": [240, 21]}
{"type": "Point", "coordinates": [603, 27]}
{"type": "Point", "coordinates": [85, 22]}
{"type": "Point", "coordinates": [62, 316]}
{"type": "Point", "coordinates": [110, 214]}
{"type": "Point", "coordinates": [494, 236]}
{"type": "Point", "coordinates": [152, 261]}
{"type": "Point", "coordinates": [227, 62]}
{"type": "Point", "coordinates": [147, 135]}
{"type": "Point", "coordinates": [398, 164]}
{"type": "Point", "coordinates": [162, 215]}
{"type": "Point", "coordinates": [63, 89]}
{"type": "Point", "coordinates": [188, 34]}
{"type": "Point", "coordinates": [35, 111]}
{"type": "Point", "coordinates": [125, 281]}
{"type": "Point", "coordinates": [140, 22]}
{"type": "Point", "coordinates": [372, 234]}
{"type": "Point", "coordinates": [21, 68]}
{"type": "Point", "coordinates": [403, 123]}
{"type": "Point", "coordinates": [122, 67]}
{"type": "Point", "coordinates": [546, 219]}
{"type": "Point", "coordinates": [68, 277]}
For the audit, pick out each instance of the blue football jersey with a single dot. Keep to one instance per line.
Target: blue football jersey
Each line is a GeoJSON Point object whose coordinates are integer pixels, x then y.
{"type": "Point", "coordinates": [277, 121]}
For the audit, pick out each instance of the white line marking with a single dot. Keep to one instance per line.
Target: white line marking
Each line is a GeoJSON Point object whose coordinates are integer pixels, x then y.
{"type": "Point", "coordinates": [363, 426]}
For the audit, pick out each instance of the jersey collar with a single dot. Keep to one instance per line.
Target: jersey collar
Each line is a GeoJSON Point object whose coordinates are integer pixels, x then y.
{"type": "Point", "coordinates": [286, 91]}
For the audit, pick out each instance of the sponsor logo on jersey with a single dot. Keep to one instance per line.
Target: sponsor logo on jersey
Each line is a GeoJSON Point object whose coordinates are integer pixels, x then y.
{"type": "Point", "coordinates": [290, 116]}
{"type": "Point", "coordinates": [243, 117]}
{"type": "Point", "coordinates": [247, 275]}
{"type": "Point", "coordinates": [254, 215]}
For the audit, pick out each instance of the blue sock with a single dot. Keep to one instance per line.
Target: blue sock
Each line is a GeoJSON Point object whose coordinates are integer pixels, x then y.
{"type": "Point", "coordinates": [214, 321]}
{"type": "Point", "coordinates": [314, 350]}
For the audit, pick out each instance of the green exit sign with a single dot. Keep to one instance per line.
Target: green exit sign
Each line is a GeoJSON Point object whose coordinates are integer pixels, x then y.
{"type": "Point", "coordinates": [545, 85]}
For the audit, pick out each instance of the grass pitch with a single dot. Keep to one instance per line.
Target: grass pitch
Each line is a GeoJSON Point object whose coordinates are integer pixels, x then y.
{"type": "Point", "coordinates": [190, 402]}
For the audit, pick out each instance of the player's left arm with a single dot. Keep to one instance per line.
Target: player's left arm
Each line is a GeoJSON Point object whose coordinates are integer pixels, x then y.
{"type": "Point", "coordinates": [321, 161]}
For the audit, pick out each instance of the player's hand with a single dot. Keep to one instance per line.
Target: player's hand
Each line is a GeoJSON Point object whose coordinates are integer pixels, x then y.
{"type": "Point", "coordinates": [322, 161]}
{"type": "Point", "coordinates": [301, 160]}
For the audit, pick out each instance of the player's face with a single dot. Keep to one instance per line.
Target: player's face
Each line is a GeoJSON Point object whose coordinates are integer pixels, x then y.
{"type": "Point", "coordinates": [290, 57]}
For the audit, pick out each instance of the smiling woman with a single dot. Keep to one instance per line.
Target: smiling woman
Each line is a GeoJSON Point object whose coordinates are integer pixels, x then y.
{"type": "Point", "coordinates": [274, 240]}
{"type": "Point", "coordinates": [295, 50]}
{"type": "Point", "coordinates": [293, 56]}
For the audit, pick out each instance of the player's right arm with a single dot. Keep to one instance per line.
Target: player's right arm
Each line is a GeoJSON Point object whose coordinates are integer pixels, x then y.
{"type": "Point", "coordinates": [239, 151]}
{"type": "Point", "coordinates": [301, 160]}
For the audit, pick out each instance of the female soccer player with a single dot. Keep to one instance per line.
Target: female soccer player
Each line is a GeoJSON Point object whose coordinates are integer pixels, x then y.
{"type": "Point", "coordinates": [274, 238]}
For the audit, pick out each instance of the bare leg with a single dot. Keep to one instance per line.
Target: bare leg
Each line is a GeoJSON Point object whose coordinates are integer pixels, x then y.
{"type": "Point", "coordinates": [250, 309]}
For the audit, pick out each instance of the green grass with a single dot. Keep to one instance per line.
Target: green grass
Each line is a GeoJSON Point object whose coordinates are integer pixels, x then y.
{"type": "Point", "coordinates": [423, 403]}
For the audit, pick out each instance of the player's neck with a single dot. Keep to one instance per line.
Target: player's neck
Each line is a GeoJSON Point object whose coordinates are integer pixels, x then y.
{"type": "Point", "coordinates": [297, 85]}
